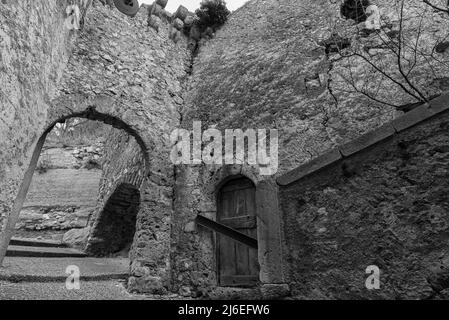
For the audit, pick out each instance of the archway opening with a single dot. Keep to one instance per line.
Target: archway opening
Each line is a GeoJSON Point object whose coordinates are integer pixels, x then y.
{"type": "Point", "coordinates": [65, 182]}
{"type": "Point", "coordinates": [83, 183]}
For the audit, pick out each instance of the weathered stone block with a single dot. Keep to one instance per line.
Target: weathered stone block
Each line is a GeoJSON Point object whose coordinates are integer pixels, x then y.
{"type": "Point", "coordinates": [190, 227]}
{"type": "Point", "coordinates": [412, 118]}
{"type": "Point", "coordinates": [76, 237]}
{"type": "Point", "coordinates": [178, 24]}
{"type": "Point", "coordinates": [182, 13]}
{"type": "Point", "coordinates": [162, 3]}
{"type": "Point", "coordinates": [146, 284]}
{"type": "Point", "coordinates": [275, 291]}
{"type": "Point", "coordinates": [154, 22]}
{"type": "Point", "coordinates": [185, 291]}
{"type": "Point", "coordinates": [189, 20]}
{"type": "Point", "coordinates": [157, 10]}
{"type": "Point", "coordinates": [269, 232]}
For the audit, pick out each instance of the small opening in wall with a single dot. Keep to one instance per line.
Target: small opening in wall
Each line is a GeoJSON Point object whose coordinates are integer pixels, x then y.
{"type": "Point", "coordinates": [355, 10]}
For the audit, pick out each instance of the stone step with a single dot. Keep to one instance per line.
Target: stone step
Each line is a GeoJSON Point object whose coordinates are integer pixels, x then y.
{"type": "Point", "coordinates": [28, 242]}
{"type": "Point", "coordinates": [45, 252]}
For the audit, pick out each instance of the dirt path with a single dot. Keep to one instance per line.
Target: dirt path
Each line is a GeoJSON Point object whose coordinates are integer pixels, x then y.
{"type": "Point", "coordinates": [45, 279]}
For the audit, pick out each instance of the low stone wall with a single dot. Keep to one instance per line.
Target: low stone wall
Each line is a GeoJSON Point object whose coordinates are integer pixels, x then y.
{"type": "Point", "coordinates": [382, 201]}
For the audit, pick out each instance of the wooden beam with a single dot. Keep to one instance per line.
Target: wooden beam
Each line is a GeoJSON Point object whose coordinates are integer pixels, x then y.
{"type": "Point", "coordinates": [229, 232]}
{"type": "Point", "coordinates": [8, 230]}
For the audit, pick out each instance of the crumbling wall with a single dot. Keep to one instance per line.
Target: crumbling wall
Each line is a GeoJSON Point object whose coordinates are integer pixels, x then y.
{"type": "Point", "coordinates": [384, 206]}
{"type": "Point", "coordinates": [35, 46]}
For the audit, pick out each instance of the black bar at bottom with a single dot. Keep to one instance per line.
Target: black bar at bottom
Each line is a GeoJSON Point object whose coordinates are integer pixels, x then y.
{"type": "Point", "coordinates": [229, 232]}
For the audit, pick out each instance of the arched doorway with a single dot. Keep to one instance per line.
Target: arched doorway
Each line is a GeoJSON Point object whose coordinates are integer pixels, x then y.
{"type": "Point", "coordinates": [237, 264]}
{"type": "Point", "coordinates": [133, 192]}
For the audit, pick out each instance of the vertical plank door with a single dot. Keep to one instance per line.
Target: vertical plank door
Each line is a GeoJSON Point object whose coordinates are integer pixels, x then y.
{"type": "Point", "coordinates": [237, 263]}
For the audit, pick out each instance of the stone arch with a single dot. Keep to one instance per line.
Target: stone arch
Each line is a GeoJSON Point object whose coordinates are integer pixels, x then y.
{"type": "Point", "coordinates": [229, 172]}
{"type": "Point", "coordinates": [105, 109]}
{"type": "Point", "coordinates": [228, 178]}
{"type": "Point", "coordinates": [114, 229]}
{"type": "Point", "coordinates": [98, 108]}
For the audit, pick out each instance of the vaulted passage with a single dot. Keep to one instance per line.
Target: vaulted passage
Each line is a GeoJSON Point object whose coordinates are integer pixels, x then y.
{"type": "Point", "coordinates": [116, 225]}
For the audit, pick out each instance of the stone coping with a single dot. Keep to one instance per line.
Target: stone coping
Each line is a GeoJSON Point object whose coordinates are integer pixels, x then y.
{"type": "Point", "coordinates": [420, 114]}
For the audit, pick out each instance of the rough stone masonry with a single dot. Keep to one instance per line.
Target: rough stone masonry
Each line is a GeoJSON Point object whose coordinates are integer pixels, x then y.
{"type": "Point", "coordinates": [268, 67]}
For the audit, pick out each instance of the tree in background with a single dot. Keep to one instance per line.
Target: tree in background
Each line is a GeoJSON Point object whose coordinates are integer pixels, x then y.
{"type": "Point", "coordinates": [212, 14]}
{"type": "Point", "coordinates": [78, 131]}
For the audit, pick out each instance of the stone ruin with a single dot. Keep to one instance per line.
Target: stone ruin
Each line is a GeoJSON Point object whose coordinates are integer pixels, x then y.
{"type": "Point", "coordinates": [359, 182]}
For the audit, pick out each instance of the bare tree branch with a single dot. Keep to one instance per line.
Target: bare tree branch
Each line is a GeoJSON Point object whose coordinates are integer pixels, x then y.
{"type": "Point", "coordinates": [428, 2]}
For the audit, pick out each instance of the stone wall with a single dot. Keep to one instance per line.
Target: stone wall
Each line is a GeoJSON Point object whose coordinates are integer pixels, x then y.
{"type": "Point", "coordinates": [269, 67]}
{"type": "Point", "coordinates": [35, 46]}
{"type": "Point", "coordinates": [64, 189]}
{"type": "Point", "coordinates": [253, 74]}
{"type": "Point", "coordinates": [384, 205]}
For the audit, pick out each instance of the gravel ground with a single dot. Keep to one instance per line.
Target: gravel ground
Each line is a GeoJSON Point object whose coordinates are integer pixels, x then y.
{"type": "Point", "coordinates": [89, 290]}
{"type": "Point", "coordinates": [44, 279]}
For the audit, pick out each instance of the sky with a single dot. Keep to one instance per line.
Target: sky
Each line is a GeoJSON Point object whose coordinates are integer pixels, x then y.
{"type": "Point", "coordinates": [192, 5]}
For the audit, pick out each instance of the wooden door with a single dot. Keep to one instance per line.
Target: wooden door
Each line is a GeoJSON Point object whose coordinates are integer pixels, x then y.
{"type": "Point", "coordinates": [237, 263]}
